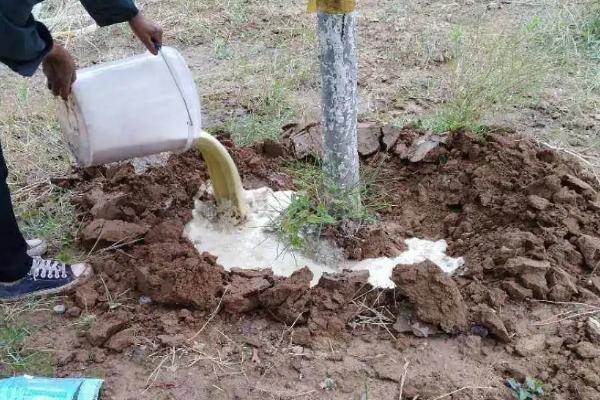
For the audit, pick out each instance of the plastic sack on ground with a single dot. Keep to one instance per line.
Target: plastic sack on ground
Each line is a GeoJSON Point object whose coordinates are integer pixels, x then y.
{"type": "Point", "coordinates": [32, 388]}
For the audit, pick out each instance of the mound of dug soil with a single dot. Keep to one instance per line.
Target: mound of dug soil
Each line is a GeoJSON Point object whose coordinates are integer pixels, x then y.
{"type": "Point", "coordinates": [525, 220]}
{"type": "Point", "coordinates": [523, 217]}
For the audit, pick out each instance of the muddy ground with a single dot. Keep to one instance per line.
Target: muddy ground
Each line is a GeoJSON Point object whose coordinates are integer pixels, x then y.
{"type": "Point", "coordinates": [160, 321]}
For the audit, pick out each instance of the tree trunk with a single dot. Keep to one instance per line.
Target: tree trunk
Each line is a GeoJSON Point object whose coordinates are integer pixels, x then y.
{"type": "Point", "coordinates": [339, 72]}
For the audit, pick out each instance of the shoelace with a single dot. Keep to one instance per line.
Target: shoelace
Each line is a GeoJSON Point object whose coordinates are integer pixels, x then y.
{"type": "Point", "coordinates": [48, 269]}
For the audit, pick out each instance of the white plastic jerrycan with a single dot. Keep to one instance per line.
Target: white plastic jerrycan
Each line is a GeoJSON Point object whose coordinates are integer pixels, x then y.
{"type": "Point", "coordinates": [130, 108]}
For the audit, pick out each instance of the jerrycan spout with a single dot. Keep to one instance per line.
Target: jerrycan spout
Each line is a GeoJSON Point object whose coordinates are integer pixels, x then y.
{"type": "Point", "coordinates": [224, 175]}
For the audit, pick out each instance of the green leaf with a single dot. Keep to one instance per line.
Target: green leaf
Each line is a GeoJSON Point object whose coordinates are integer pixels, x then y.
{"type": "Point", "coordinates": [513, 384]}
{"type": "Point", "coordinates": [534, 23]}
{"type": "Point", "coordinates": [523, 394]}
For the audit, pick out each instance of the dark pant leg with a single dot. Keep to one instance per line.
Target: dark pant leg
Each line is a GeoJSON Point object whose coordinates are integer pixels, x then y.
{"type": "Point", "coordinates": [14, 261]}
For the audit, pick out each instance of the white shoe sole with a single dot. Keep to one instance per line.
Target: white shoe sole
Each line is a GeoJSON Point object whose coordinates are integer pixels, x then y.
{"type": "Point", "coordinates": [36, 247]}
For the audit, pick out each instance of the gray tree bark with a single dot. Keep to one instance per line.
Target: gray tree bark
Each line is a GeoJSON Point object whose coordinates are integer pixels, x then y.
{"type": "Point", "coordinates": [339, 74]}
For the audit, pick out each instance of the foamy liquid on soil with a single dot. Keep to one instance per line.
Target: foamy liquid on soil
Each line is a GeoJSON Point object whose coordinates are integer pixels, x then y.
{"type": "Point", "coordinates": [252, 245]}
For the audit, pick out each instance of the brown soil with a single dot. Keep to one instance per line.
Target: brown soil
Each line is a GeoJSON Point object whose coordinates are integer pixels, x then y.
{"type": "Point", "coordinates": [525, 220]}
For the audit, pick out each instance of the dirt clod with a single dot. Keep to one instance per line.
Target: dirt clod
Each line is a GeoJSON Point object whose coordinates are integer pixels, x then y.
{"type": "Point", "coordinates": [490, 319]}
{"type": "Point", "coordinates": [179, 275]}
{"type": "Point", "coordinates": [302, 336]}
{"type": "Point", "coordinates": [593, 330]}
{"type": "Point", "coordinates": [168, 230]}
{"type": "Point", "coordinates": [434, 295]}
{"type": "Point", "coordinates": [73, 312]}
{"type": "Point", "coordinates": [288, 299]}
{"type": "Point", "coordinates": [589, 247]}
{"type": "Point", "coordinates": [86, 296]}
{"type": "Point", "coordinates": [587, 350]}
{"type": "Point", "coordinates": [106, 206]}
{"type": "Point", "coordinates": [387, 369]}
{"type": "Point", "coordinates": [121, 340]}
{"type": "Point", "coordinates": [242, 293]}
{"type": "Point", "coordinates": [531, 345]}
{"type": "Point", "coordinates": [427, 149]}
{"type": "Point", "coordinates": [171, 341]}
{"type": "Point", "coordinates": [112, 231]}
{"type": "Point", "coordinates": [516, 291]}
{"type": "Point", "coordinates": [304, 141]}
{"type": "Point", "coordinates": [273, 148]}
{"type": "Point", "coordinates": [107, 327]}
{"type": "Point", "coordinates": [537, 202]}
{"type": "Point", "coordinates": [521, 265]}
{"type": "Point", "coordinates": [579, 186]}
{"type": "Point", "coordinates": [368, 139]}
{"type": "Point", "coordinates": [390, 137]}
{"type": "Point", "coordinates": [545, 187]}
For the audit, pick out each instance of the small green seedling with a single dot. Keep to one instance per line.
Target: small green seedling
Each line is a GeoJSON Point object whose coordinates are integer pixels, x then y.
{"type": "Point", "coordinates": [456, 33]}
{"type": "Point", "coordinates": [312, 208]}
{"type": "Point", "coordinates": [534, 24]}
{"type": "Point", "coordinates": [530, 390]}
{"type": "Point", "coordinates": [329, 384]}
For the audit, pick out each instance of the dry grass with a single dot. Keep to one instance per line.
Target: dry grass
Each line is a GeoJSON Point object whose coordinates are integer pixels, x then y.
{"type": "Point", "coordinates": [538, 72]}
{"type": "Point", "coordinates": [372, 314]}
{"type": "Point", "coordinates": [257, 57]}
{"type": "Point", "coordinates": [577, 311]}
{"type": "Point", "coordinates": [34, 152]}
{"type": "Point", "coordinates": [569, 33]}
{"type": "Point", "coordinates": [490, 71]}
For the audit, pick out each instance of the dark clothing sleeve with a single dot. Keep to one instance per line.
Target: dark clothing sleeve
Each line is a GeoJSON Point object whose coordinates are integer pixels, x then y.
{"type": "Point", "coordinates": [24, 42]}
{"type": "Point", "coordinates": [109, 12]}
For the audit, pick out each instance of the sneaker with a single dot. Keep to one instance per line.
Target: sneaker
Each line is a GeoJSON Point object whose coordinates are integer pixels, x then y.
{"type": "Point", "coordinates": [36, 247]}
{"type": "Point", "coordinates": [45, 277]}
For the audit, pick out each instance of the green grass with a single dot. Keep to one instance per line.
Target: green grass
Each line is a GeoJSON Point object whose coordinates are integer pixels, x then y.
{"type": "Point", "coordinates": [314, 208]}
{"type": "Point", "coordinates": [489, 73]}
{"type": "Point", "coordinates": [266, 115]}
{"type": "Point", "coordinates": [590, 36]}
{"type": "Point", "coordinates": [221, 49]}
{"type": "Point", "coordinates": [85, 322]}
{"type": "Point", "coordinates": [54, 221]}
{"type": "Point", "coordinates": [569, 31]}
{"type": "Point", "coordinates": [447, 121]}
{"type": "Point", "coordinates": [507, 67]}
{"type": "Point", "coordinates": [16, 355]}
{"type": "Point", "coordinates": [16, 358]}
{"type": "Point", "coordinates": [366, 392]}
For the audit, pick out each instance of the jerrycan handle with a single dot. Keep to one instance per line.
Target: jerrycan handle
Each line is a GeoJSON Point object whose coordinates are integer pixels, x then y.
{"type": "Point", "coordinates": [158, 47]}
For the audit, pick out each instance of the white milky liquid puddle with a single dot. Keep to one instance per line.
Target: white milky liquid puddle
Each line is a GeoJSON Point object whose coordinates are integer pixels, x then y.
{"type": "Point", "coordinates": [251, 245]}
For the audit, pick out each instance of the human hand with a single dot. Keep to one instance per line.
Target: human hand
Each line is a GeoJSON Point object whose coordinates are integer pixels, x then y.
{"type": "Point", "coordinates": [59, 68]}
{"type": "Point", "coordinates": [147, 31]}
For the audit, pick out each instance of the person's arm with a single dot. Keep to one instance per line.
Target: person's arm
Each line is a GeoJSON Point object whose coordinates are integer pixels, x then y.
{"type": "Point", "coordinates": [109, 12]}
{"type": "Point", "coordinates": [24, 42]}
